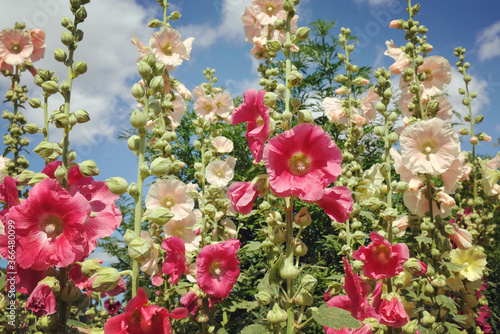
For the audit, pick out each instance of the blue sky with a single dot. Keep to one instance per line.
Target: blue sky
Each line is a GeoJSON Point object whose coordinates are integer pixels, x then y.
{"type": "Point", "coordinates": [219, 43]}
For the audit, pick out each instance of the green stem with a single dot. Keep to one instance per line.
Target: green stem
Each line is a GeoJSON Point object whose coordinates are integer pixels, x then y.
{"type": "Point", "coordinates": [46, 119]}
{"type": "Point", "coordinates": [290, 325]}
{"type": "Point", "coordinates": [165, 6]}
{"type": "Point", "coordinates": [288, 70]}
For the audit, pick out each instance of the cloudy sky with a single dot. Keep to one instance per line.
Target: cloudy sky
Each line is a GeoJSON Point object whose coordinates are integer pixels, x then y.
{"type": "Point", "coordinates": [220, 44]}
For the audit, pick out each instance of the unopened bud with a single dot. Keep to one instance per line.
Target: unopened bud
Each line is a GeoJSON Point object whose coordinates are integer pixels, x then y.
{"type": "Point", "coordinates": [117, 185]}
{"type": "Point", "coordinates": [89, 168]}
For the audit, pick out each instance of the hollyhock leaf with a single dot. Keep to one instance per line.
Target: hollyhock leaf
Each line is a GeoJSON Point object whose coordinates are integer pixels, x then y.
{"type": "Point", "coordinates": [452, 328]}
{"type": "Point", "coordinates": [254, 329]}
{"type": "Point", "coordinates": [447, 303]}
{"type": "Point", "coordinates": [274, 272]}
{"type": "Point", "coordinates": [73, 322]}
{"type": "Point", "coordinates": [334, 317]}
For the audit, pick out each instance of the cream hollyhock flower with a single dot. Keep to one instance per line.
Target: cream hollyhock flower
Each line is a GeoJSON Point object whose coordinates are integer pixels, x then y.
{"type": "Point", "coordinates": [184, 229]}
{"type": "Point", "coordinates": [251, 25]}
{"type": "Point", "coordinates": [219, 173]}
{"type": "Point", "coordinates": [175, 117]}
{"type": "Point", "coordinates": [268, 11]}
{"type": "Point", "coordinates": [204, 106]}
{"type": "Point", "coordinates": [222, 144]}
{"type": "Point", "coordinates": [168, 47]}
{"type": "Point", "coordinates": [171, 194]}
{"type": "Point", "coordinates": [3, 161]}
{"type": "Point", "coordinates": [368, 104]}
{"type": "Point", "coordinates": [418, 204]}
{"type": "Point", "coordinates": [474, 260]}
{"type": "Point", "coordinates": [429, 146]}
{"type": "Point", "coordinates": [150, 265]}
{"type": "Point", "coordinates": [223, 105]}
{"type": "Point", "coordinates": [454, 174]}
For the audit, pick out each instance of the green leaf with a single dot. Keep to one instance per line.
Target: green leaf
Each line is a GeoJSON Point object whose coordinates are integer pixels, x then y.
{"type": "Point", "coordinates": [221, 331]}
{"type": "Point", "coordinates": [455, 267]}
{"type": "Point", "coordinates": [3, 283]}
{"type": "Point", "coordinates": [254, 329]}
{"type": "Point", "coordinates": [447, 303]}
{"type": "Point", "coordinates": [424, 240]}
{"type": "Point", "coordinates": [274, 272]}
{"type": "Point", "coordinates": [252, 246]}
{"type": "Point", "coordinates": [452, 328]}
{"type": "Point", "coordinates": [73, 322]}
{"type": "Point", "coordinates": [335, 317]}
{"type": "Point", "coordinates": [460, 318]}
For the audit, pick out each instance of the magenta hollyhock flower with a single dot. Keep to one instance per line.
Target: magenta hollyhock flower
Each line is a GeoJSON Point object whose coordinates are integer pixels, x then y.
{"type": "Point", "coordinates": [16, 46]}
{"type": "Point", "coordinates": [42, 301]}
{"type": "Point", "coordinates": [337, 203]}
{"type": "Point", "coordinates": [218, 268]}
{"type": "Point", "coordinates": [192, 302]}
{"type": "Point", "coordinates": [392, 313]}
{"type": "Point", "coordinates": [484, 313]}
{"type": "Point", "coordinates": [75, 177]}
{"type": "Point", "coordinates": [256, 114]}
{"type": "Point", "coordinates": [112, 308]}
{"type": "Point", "coordinates": [142, 317]}
{"type": "Point", "coordinates": [382, 260]}
{"type": "Point", "coordinates": [175, 260]}
{"type": "Point", "coordinates": [365, 329]}
{"type": "Point", "coordinates": [242, 196]}
{"type": "Point", "coordinates": [27, 279]}
{"type": "Point", "coordinates": [302, 162]}
{"type": "Point", "coordinates": [50, 227]}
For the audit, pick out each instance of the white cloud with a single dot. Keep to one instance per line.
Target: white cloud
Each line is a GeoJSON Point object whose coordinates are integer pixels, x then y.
{"type": "Point", "coordinates": [489, 42]}
{"type": "Point", "coordinates": [104, 91]}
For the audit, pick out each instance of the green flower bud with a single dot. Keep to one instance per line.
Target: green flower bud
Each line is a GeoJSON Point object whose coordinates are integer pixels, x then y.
{"type": "Point", "coordinates": [31, 128]}
{"type": "Point", "coordinates": [50, 87]}
{"type": "Point", "coordinates": [294, 79]}
{"type": "Point", "coordinates": [295, 102]}
{"type": "Point", "coordinates": [64, 87]}
{"type": "Point", "coordinates": [79, 68]}
{"type": "Point", "coordinates": [175, 16]}
{"type": "Point", "coordinates": [379, 131]}
{"type": "Point", "coordinates": [137, 91]}
{"type": "Point", "coordinates": [159, 69]}
{"type": "Point", "coordinates": [129, 236]}
{"type": "Point", "coordinates": [280, 88]}
{"type": "Point", "coordinates": [106, 279]}
{"type": "Point", "coordinates": [393, 137]}
{"type": "Point", "coordinates": [35, 103]}
{"type": "Point", "coordinates": [359, 235]}
{"type": "Point", "coordinates": [66, 21]}
{"type": "Point", "coordinates": [61, 120]}
{"type": "Point", "coordinates": [280, 24]}
{"type": "Point", "coordinates": [60, 173]}
{"type": "Point", "coordinates": [90, 267]}
{"type": "Point", "coordinates": [478, 119]}
{"type": "Point", "coordinates": [305, 116]}
{"type": "Point", "coordinates": [117, 185]}
{"type": "Point", "coordinates": [263, 298]}
{"type": "Point", "coordinates": [138, 119]}
{"type": "Point", "coordinates": [67, 38]}
{"type": "Point", "coordinates": [81, 14]}
{"type": "Point", "coordinates": [273, 45]}
{"type": "Point", "coordinates": [308, 283]}
{"type": "Point", "coordinates": [160, 215]}
{"type": "Point", "coordinates": [276, 315]}
{"type": "Point", "coordinates": [52, 282]}
{"type": "Point", "coordinates": [133, 143]}
{"type": "Point", "coordinates": [157, 84]}
{"type": "Point", "coordinates": [340, 78]}
{"type": "Point", "coordinates": [433, 106]}
{"type": "Point", "coordinates": [37, 178]}
{"type": "Point", "coordinates": [82, 116]}
{"type": "Point", "coordinates": [150, 59]}
{"type": "Point", "coordinates": [287, 115]}
{"type": "Point", "coordinates": [144, 70]}
{"type": "Point", "coordinates": [289, 271]}
{"type": "Point", "coordinates": [89, 168]}
{"type": "Point", "coordinates": [139, 249]}
{"type": "Point", "coordinates": [277, 236]}
{"type": "Point", "coordinates": [303, 218]}
{"type": "Point", "coordinates": [160, 166]}
{"type": "Point", "coordinates": [155, 23]}
{"type": "Point", "coordinates": [303, 33]}
{"type": "Point", "coordinates": [25, 176]}
{"type": "Point", "coordinates": [270, 99]}
{"type": "Point", "coordinates": [427, 319]}
{"type": "Point", "coordinates": [299, 248]}
{"type": "Point", "coordinates": [304, 298]}
{"type": "Point", "coordinates": [380, 107]}
{"type": "Point", "coordinates": [71, 293]}
{"type": "Point", "coordinates": [48, 322]}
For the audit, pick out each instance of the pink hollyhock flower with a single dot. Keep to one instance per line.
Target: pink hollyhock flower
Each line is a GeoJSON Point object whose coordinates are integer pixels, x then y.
{"type": "Point", "coordinates": [259, 47]}
{"type": "Point", "coordinates": [50, 227]}
{"type": "Point", "coordinates": [445, 110]}
{"type": "Point", "coordinates": [184, 229]}
{"type": "Point", "coordinates": [418, 203]}
{"type": "Point", "coordinates": [142, 317]}
{"type": "Point", "coordinates": [175, 260]}
{"type": "Point", "coordinates": [438, 75]}
{"type": "Point", "coordinates": [365, 329]}
{"type": "Point", "coordinates": [38, 39]}
{"type": "Point", "coordinates": [251, 25]}
{"type": "Point", "coordinates": [223, 105]}
{"type": "Point", "coordinates": [112, 308]}
{"type": "Point", "coordinates": [171, 194]}
{"type": "Point", "coordinates": [302, 162]}
{"type": "Point", "coordinates": [218, 268]}
{"type": "Point", "coordinates": [143, 50]}
{"type": "Point", "coordinates": [401, 224]}
{"type": "Point", "coordinates": [16, 46]}
{"type": "Point", "coordinates": [192, 302]}
{"type": "Point", "coordinates": [392, 313]}
{"type": "Point", "coordinates": [242, 196]}
{"type": "Point", "coordinates": [381, 258]}
{"type": "Point", "coordinates": [462, 238]}
{"type": "Point", "coordinates": [75, 177]}
{"type": "Point", "coordinates": [395, 24]}
{"type": "Point", "coordinates": [168, 47]}
{"type": "Point", "coordinates": [179, 109]}
{"type": "Point", "coordinates": [183, 91]}
{"type": "Point", "coordinates": [42, 301]}
{"type": "Point", "coordinates": [256, 114]}
{"type": "Point", "coordinates": [150, 265]}
{"type": "Point", "coordinates": [494, 163]}
{"type": "Point", "coordinates": [405, 174]}
{"type": "Point", "coordinates": [268, 11]}
{"type": "Point", "coordinates": [219, 173]}
{"type": "Point", "coordinates": [120, 288]}
{"type": "Point", "coordinates": [27, 279]}
{"type": "Point", "coordinates": [337, 203]}
{"type": "Point", "coordinates": [429, 146]}
{"type": "Point", "coordinates": [204, 106]}
{"type": "Point", "coordinates": [401, 62]}
{"type": "Point", "coordinates": [368, 104]}
{"type": "Point", "coordinates": [484, 313]}
{"type": "Point", "coordinates": [454, 173]}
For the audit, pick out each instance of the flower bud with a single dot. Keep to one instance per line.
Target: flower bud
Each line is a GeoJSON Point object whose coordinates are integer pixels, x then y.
{"type": "Point", "coordinates": [157, 84]}
{"type": "Point", "coordinates": [160, 166]}
{"type": "Point", "coordinates": [137, 119]}
{"type": "Point", "coordinates": [67, 38]}
{"type": "Point", "coordinates": [273, 45]}
{"type": "Point", "coordinates": [160, 215]}
{"type": "Point", "coordinates": [396, 24]}
{"type": "Point", "coordinates": [82, 116]}
{"type": "Point", "coordinates": [52, 282]}
{"type": "Point", "coordinates": [303, 218]}
{"type": "Point", "coordinates": [276, 315]}
{"type": "Point", "coordinates": [304, 298]}
{"type": "Point", "coordinates": [299, 248]}
{"type": "Point", "coordinates": [155, 23]}
{"type": "Point", "coordinates": [304, 116]}
{"type": "Point", "coordinates": [89, 168]}
{"type": "Point", "coordinates": [474, 140]}
{"type": "Point", "coordinates": [50, 87]}
{"type": "Point", "coordinates": [61, 120]}
{"type": "Point", "coordinates": [35, 102]}
{"type": "Point", "coordinates": [71, 293]}
{"type": "Point", "coordinates": [175, 16]}
{"type": "Point", "coordinates": [294, 79]}
{"type": "Point", "coordinates": [137, 91]}
{"type": "Point", "coordinates": [263, 298]}
{"type": "Point", "coordinates": [48, 322]}
{"type": "Point", "coordinates": [478, 119]}
{"type": "Point", "coordinates": [81, 14]}
{"type": "Point", "coordinates": [303, 33]}
{"type": "Point", "coordinates": [129, 236]}
{"type": "Point", "coordinates": [270, 99]}
{"type": "Point", "coordinates": [31, 128]}
{"type": "Point", "coordinates": [139, 249]}
{"type": "Point", "coordinates": [463, 131]}
{"type": "Point", "coordinates": [66, 21]}
{"type": "Point", "coordinates": [360, 81]}
{"type": "Point", "coordinates": [340, 78]}
{"type": "Point", "coordinates": [117, 185]}
{"type": "Point", "coordinates": [308, 283]}
{"type": "Point", "coordinates": [415, 267]}
{"type": "Point", "coordinates": [289, 271]}
{"type": "Point", "coordinates": [133, 143]}
{"type": "Point", "coordinates": [277, 236]}
{"type": "Point", "coordinates": [106, 279]}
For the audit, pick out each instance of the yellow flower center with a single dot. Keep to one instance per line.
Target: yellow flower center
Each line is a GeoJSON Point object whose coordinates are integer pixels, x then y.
{"type": "Point", "coordinates": [428, 75]}
{"type": "Point", "coordinates": [168, 202]}
{"type": "Point", "coordinates": [15, 48]}
{"type": "Point", "coordinates": [269, 8]}
{"type": "Point", "coordinates": [382, 253]}
{"type": "Point", "coordinates": [299, 164]}
{"type": "Point", "coordinates": [429, 147]}
{"type": "Point", "coordinates": [215, 271]}
{"type": "Point", "coordinates": [52, 226]}
{"type": "Point", "coordinates": [179, 232]}
{"type": "Point", "coordinates": [167, 49]}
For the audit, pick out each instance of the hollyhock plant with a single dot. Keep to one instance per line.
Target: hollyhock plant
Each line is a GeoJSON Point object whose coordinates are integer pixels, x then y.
{"type": "Point", "coordinates": [381, 258]}
{"type": "Point", "coordinates": [16, 46]}
{"type": "Point", "coordinates": [302, 162]}
{"type": "Point", "coordinates": [337, 203]}
{"type": "Point", "coordinates": [438, 75]}
{"type": "Point", "coordinates": [168, 47]}
{"type": "Point", "coordinates": [462, 238]}
{"type": "Point", "coordinates": [42, 300]}
{"type": "Point", "coordinates": [175, 260]}
{"type": "Point", "coordinates": [143, 317]}
{"type": "Point", "coordinates": [268, 11]}
{"type": "Point", "coordinates": [184, 229]}
{"type": "Point", "coordinates": [392, 313]}
{"type": "Point", "coordinates": [219, 173]}
{"type": "Point", "coordinates": [243, 195]}
{"type": "Point", "coordinates": [171, 194]}
{"type": "Point", "coordinates": [429, 146]}
{"type": "Point", "coordinates": [256, 114]}
{"type": "Point", "coordinates": [222, 144]}
{"type": "Point", "coordinates": [473, 258]}
{"type": "Point", "coordinates": [218, 268]}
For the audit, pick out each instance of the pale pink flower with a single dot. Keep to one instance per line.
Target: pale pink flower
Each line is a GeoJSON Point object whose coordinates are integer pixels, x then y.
{"type": "Point", "coordinates": [3, 161]}
{"type": "Point", "coordinates": [231, 161]}
{"type": "Point", "coordinates": [204, 106]}
{"type": "Point", "coordinates": [251, 25]}
{"type": "Point", "coordinates": [228, 230]}
{"type": "Point", "coordinates": [143, 50]}
{"type": "Point", "coordinates": [175, 259]}
{"type": "Point", "coordinates": [218, 268]}
{"type": "Point", "coordinates": [38, 39]}
{"type": "Point", "coordinates": [415, 184]}
{"type": "Point", "coordinates": [219, 173]}
{"type": "Point", "coordinates": [16, 46]}
{"type": "Point", "coordinates": [445, 110]}
{"type": "Point", "coordinates": [222, 144]}
{"type": "Point", "coordinates": [198, 92]}
{"type": "Point", "coordinates": [395, 24]}
{"type": "Point", "coordinates": [171, 194]}
{"type": "Point", "coordinates": [401, 224]}
{"type": "Point", "coordinates": [223, 105]}
{"type": "Point", "coordinates": [462, 238]}
{"type": "Point", "coordinates": [438, 74]}
{"type": "Point", "coordinates": [333, 109]}
{"type": "Point", "coordinates": [176, 115]}
{"type": "Point", "coordinates": [168, 47]}
{"type": "Point", "coordinates": [302, 162]}
{"type": "Point", "coordinates": [494, 163]}
{"type": "Point", "coordinates": [268, 11]}
{"type": "Point", "coordinates": [368, 104]}
{"type": "Point", "coordinates": [381, 258]}
{"type": "Point", "coordinates": [150, 265]}
{"type": "Point", "coordinates": [183, 91]}
{"type": "Point", "coordinates": [400, 61]}
{"type": "Point", "coordinates": [429, 146]}
{"type": "Point", "coordinates": [405, 174]}
{"type": "Point", "coordinates": [185, 230]}
{"type": "Point", "coordinates": [454, 174]}
{"type": "Point", "coordinates": [256, 114]}
{"type": "Point", "coordinates": [418, 203]}
{"type": "Point", "coordinates": [259, 47]}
